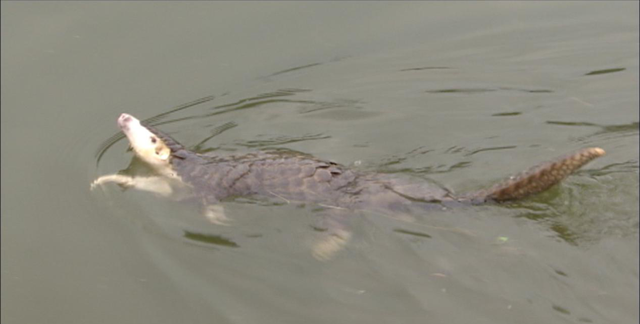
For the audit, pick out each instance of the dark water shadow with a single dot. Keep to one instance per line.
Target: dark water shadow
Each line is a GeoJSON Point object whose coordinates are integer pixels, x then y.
{"type": "Point", "coordinates": [210, 239]}
{"type": "Point", "coordinates": [426, 68]}
{"type": "Point", "coordinates": [507, 114]}
{"type": "Point", "coordinates": [605, 71]}
{"type": "Point", "coordinates": [412, 233]}
{"type": "Point", "coordinates": [614, 131]}
{"type": "Point", "coordinates": [485, 90]}
{"type": "Point", "coordinates": [281, 140]}
{"type": "Point", "coordinates": [294, 69]}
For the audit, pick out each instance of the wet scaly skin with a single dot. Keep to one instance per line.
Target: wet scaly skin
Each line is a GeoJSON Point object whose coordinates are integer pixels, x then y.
{"type": "Point", "coordinates": [538, 178]}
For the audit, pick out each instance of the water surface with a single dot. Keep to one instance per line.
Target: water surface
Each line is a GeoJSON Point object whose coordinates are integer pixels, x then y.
{"type": "Point", "coordinates": [461, 94]}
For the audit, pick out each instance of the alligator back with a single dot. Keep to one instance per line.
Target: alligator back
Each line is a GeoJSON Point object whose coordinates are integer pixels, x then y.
{"type": "Point", "coordinates": [296, 177]}
{"type": "Point", "coordinates": [285, 175]}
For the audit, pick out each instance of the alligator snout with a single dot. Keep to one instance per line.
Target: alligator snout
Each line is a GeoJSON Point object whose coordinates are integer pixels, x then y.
{"type": "Point", "coordinates": [124, 120]}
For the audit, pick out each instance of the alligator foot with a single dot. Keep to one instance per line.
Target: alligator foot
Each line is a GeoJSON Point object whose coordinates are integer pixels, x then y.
{"type": "Point", "coordinates": [156, 185]}
{"type": "Point", "coordinates": [215, 214]}
{"type": "Point", "coordinates": [330, 245]}
{"type": "Point", "coordinates": [119, 179]}
{"type": "Point", "coordinates": [335, 234]}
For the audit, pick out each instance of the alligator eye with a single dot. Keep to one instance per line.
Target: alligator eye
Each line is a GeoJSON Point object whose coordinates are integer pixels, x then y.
{"type": "Point", "coordinates": [153, 140]}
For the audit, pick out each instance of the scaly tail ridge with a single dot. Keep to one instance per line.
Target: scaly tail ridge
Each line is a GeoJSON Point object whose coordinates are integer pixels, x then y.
{"type": "Point", "coordinates": [538, 178]}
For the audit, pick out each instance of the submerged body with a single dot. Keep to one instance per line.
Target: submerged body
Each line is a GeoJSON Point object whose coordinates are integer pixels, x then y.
{"type": "Point", "coordinates": [298, 177]}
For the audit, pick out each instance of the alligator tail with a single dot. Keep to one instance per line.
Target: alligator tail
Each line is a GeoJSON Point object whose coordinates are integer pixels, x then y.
{"type": "Point", "coordinates": [536, 179]}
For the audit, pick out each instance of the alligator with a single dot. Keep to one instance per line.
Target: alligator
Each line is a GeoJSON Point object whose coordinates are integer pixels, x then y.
{"type": "Point", "coordinates": [297, 177]}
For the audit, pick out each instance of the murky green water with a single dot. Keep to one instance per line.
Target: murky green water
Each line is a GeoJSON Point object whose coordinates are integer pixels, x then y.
{"type": "Point", "coordinates": [462, 94]}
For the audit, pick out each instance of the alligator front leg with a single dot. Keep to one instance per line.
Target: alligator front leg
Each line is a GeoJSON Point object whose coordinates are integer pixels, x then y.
{"type": "Point", "coordinates": [158, 185]}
